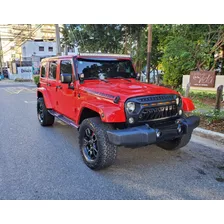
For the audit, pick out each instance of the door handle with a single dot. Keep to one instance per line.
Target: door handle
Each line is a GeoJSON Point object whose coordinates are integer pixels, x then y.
{"type": "Point", "coordinates": [58, 87]}
{"type": "Point", "coordinates": [48, 84]}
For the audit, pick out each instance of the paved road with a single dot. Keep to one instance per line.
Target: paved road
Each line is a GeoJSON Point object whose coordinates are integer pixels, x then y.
{"type": "Point", "coordinates": [45, 163]}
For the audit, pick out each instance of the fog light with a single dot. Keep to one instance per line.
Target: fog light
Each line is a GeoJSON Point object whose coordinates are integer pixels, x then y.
{"type": "Point", "coordinates": [131, 120]}
{"type": "Point", "coordinates": [158, 133]}
{"type": "Point", "coordinates": [179, 129]}
{"type": "Point", "coordinates": [180, 112]}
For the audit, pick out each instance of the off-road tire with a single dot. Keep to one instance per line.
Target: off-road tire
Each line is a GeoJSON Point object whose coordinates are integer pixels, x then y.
{"type": "Point", "coordinates": [106, 151]}
{"type": "Point", "coordinates": [176, 143]}
{"type": "Point", "coordinates": [47, 119]}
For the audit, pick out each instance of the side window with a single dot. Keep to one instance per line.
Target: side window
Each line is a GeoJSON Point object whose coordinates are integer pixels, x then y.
{"type": "Point", "coordinates": [66, 67]}
{"type": "Point", "coordinates": [52, 70]}
{"type": "Point", "coordinates": [43, 70]}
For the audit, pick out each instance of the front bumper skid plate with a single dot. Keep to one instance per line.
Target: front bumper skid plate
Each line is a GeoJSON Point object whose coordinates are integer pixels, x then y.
{"type": "Point", "coordinates": [145, 135]}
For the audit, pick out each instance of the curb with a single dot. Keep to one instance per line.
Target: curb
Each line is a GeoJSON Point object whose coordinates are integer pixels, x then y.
{"type": "Point", "coordinates": [216, 136]}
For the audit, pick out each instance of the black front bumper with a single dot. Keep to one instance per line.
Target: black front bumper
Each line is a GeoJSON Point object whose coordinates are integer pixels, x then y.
{"type": "Point", "coordinates": [146, 135]}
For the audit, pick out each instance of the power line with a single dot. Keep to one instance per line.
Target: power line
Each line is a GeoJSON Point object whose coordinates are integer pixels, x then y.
{"type": "Point", "coordinates": [21, 43]}
{"type": "Point", "coordinates": [15, 37]}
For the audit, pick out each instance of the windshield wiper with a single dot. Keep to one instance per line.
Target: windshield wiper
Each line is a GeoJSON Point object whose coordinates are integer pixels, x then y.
{"type": "Point", "coordinates": [95, 78]}
{"type": "Point", "coordinates": [120, 77]}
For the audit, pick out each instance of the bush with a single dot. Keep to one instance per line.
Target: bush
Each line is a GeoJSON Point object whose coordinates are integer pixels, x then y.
{"type": "Point", "coordinates": [202, 95]}
{"type": "Point", "coordinates": [180, 90]}
{"type": "Point", "coordinates": [36, 79]}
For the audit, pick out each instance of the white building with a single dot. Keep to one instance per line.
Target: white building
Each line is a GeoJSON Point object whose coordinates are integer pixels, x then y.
{"type": "Point", "coordinates": [38, 49]}
{"type": "Point", "coordinates": [33, 51]}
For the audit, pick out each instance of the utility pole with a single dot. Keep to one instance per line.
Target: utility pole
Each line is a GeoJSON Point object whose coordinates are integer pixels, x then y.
{"type": "Point", "coordinates": [149, 48]}
{"type": "Point", "coordinates": [1, 54]}
{"type": "Point", "coordinates": [65, 46]}
{"type": "Point", "coordinates": [66, 49]}
{"type": "Point", "coordinates": [58, 39]}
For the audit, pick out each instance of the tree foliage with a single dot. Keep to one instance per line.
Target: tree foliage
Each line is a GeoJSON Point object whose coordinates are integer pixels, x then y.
{"type": "Point", "coordinates": [176, 49]}
{"type": "Point", "coordinates": [177, 60]}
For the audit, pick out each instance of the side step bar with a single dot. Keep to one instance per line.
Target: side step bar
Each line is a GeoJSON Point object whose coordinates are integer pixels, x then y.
{"type": "Point", "coordinates": [63, 118]}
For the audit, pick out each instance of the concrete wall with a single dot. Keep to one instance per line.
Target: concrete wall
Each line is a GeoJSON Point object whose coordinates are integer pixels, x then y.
{"type": "Point", "coordinates": [219, 81]}
{"type": "Point", "coordinates": [23, 73]}
{"type": "Point", "coordinates": [20, 76]}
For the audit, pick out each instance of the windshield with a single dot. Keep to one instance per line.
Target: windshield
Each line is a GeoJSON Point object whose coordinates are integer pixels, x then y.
{"type": "Point", "coordinates": [103, 69]}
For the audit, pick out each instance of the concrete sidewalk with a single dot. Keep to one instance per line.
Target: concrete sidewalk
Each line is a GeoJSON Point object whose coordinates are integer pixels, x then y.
{"type": "Point", "coordinates": [207, 134]}
{"type": "Point", "coordinates": [9, 82]}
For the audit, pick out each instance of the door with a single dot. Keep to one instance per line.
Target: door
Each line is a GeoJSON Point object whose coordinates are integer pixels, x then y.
{"type": "Point", "coordinates": [52, 83]}
{"type": "Point", "coordinates": [66, 95]}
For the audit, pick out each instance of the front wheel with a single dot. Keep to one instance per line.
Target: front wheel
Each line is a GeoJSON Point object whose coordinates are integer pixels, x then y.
{"type": "Point", "coordinates": [96, 151]}
{"type": "Point", "coordinates": [176, 143]}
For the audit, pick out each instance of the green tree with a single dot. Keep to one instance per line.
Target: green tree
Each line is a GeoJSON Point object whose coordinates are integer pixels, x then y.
{"type": "Point", "coordinates": [190, 47]}
{"type": "Point", "coordinates": [177, 60]}
{"type": "Point", "coordinates": [177, 49]}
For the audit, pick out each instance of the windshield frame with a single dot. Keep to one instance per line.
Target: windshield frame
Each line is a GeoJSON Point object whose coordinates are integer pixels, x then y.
{"type": "Point", "coordinates": [100, 60]}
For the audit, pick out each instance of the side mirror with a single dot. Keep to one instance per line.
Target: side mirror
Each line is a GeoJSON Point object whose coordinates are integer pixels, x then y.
{"type": "Point", "coordinates": [81, 77]}
{"type": "Point", "coordinates": [66, 78]}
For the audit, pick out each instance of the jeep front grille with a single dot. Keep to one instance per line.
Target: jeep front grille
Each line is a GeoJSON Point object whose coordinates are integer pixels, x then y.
{"type": "Point", "coordinates": [154, 113]}
{"type": "Point", "coordinates": [156, 98]}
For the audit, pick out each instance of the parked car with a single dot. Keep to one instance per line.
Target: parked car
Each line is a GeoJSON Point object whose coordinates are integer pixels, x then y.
{"type": "Point", "coordinates": [1, 76]}
{"type": "Point", "coordinates": [99, 94]}
{"type": "Point", "coordinates": [5, 72]}
{"type": "Point", "coordinates": [143, 76]}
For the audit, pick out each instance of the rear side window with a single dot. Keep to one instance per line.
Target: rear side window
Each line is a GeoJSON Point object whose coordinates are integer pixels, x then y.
{"type": "Point", "coordinates": [43, 70]}
{"type": "Point", "coordinates": [66, 67]}
{"type": "Point", "coordinates": [53, 69]}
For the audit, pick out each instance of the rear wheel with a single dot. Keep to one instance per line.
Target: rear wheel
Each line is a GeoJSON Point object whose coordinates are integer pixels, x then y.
{"type": "Point", "coordinates": [176, 143]}
{"type": "Point", "coordinates": [96, 151]}
{"type": "Point", "coordinates": [44, 117]}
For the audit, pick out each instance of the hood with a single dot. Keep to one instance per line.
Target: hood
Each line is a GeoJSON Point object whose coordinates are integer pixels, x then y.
{"type": "Point", "coordinates": [123, 88]}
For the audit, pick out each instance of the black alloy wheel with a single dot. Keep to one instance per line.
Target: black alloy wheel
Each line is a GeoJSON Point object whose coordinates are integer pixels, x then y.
{"type": "Point", "coordinates": [90, 149]}
{"type": "Point", "coordinates": [40, 112]}
{"type": "Point", "coordinates": [96, 150]}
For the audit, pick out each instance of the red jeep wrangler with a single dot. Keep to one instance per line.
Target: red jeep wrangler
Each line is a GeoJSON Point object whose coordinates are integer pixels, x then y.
{"type": "Point", "coordinates": [100, 95]}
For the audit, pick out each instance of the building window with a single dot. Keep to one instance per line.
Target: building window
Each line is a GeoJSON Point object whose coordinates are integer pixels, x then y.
{"type": "Point", "coordinates": [41, 48]}
{"type": "Point", "coordinates": [53, 69]}
{"type": "Point", "coordinates": [50, 49]}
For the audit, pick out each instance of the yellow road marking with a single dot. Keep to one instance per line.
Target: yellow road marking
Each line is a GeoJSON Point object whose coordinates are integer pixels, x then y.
{"type": "Point", "coordinates": [8, 90]}
{"type": "Point", "coordinates": [17, 90]}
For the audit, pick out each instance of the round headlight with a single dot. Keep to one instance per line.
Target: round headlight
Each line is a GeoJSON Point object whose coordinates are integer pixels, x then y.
{"type": "Point", "coordinates": [130, 107]}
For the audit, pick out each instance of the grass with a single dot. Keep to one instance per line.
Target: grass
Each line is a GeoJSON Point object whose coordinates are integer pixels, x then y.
{"type": "Point", "coordinates": [210, 115]}
{"type": "Point", "coordinates": [200, 105]}
{"type": "Point", "coordinates": [198, 93]}
{"type": "Point", "coordinates": [202, 95]}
